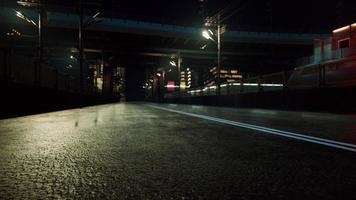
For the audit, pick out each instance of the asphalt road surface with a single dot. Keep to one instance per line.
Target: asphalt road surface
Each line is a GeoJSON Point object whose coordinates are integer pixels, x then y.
{"type": "Point", "coordinates": [151, 151]}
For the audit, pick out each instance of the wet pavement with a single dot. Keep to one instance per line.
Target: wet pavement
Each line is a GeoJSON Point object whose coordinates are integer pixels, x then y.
{"type": "Point", "coordinates": [135, 151]}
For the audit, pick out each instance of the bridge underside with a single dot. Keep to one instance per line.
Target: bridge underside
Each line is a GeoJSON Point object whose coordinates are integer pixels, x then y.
{"type": "Point", "coordinates": [140, 44]}
{"type": "Point", "coordinates": [134, 50]}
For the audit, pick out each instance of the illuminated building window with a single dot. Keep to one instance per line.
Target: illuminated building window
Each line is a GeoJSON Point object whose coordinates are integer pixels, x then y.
{"type": "Point", "coordinates": [236, 76]}
{"type": "Point", "coordinates": [213, 69]}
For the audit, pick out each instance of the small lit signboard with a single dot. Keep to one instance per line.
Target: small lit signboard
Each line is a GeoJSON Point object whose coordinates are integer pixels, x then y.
{"type": "Point", "coordinates": [170, 86]}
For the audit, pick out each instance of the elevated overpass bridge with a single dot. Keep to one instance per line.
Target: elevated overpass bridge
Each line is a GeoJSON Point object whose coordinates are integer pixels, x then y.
{"type": "Point", "coordinates": [138, 43]}
{"type": "Point", "coordinates": [65, 20]}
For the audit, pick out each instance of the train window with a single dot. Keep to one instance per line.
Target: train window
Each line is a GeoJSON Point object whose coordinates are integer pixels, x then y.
{"type": "Point", "coordinates": [344, 43]}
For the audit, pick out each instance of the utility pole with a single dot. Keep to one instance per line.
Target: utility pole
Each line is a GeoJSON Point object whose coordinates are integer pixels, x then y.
{"type": "Point", "coordinates": [40, 43]}
{"type": "Point", "coordinates": [179, 73]}
{"type": "Point", "coordinates": [41, 17]}
{"type": "Point", "coordinates": [219, 55]}
{"type": "Point", "coordinates": [80, 46]}
{"type": "Point", "coordinates": [215, 22]}
{"type": "Point", "coordinates": [82, 26]}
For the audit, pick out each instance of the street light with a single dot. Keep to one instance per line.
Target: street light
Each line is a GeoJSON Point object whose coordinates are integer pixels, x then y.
{"type": "Point", "coordinates": [82, 26]}
{"type": "Point", "coordinates": [208, 34]}
{"type": "Point", "coordinates": [173, 63]}
{"type": "Point", "coordinates": [93, 20]}
{"type": "Point", "coordinates": [204, 46]}
{"type": "Point", "coordinates": [96, 15]}
{"type": "Point", "coordinates": [39, 27]}
{"type": "Point", "coordinates": [27, 3]}
{"type": "Point", "coordinates": [22, 16]}
{"type": "Point", "coordinates": [177, 63]}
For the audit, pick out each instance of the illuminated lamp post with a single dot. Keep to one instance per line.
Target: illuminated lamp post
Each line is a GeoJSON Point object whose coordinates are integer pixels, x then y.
{"type": "Point", "coordinates": [39, 26]}
{"type": "Point", "coordinates": [209, 34]}
{"type": "Point", "coordinates": [178, 65]}
{"type": "Point", "coordinates": [82, 26]}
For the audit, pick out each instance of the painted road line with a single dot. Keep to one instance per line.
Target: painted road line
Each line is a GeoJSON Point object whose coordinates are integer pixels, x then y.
{"type": "Point", "coordinates": [298, 136]}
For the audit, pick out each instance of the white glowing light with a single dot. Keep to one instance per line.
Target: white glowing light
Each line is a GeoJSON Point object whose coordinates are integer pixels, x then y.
{"type": "Point", "coordinates": [207, 35]}
{"type": "Point", "coordinates": [20, 15]}
{"type": "Point", "coordinates": [250, 84]}
{"type": "Point", "coordinates": [171, 86]}
{"type": "Point", "coordinates": [173, 63]}
{"type": "Point", "coordinates": [272, 85]}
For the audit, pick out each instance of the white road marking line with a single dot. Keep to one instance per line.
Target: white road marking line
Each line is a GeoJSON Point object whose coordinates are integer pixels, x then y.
{"type": "Point", "coordinates": [297, 136]}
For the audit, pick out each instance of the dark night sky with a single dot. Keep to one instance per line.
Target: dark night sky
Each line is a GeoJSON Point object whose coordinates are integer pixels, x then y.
{"type": "Point", "coordinates": [253, 15]}
{"type": "Point", "coordinates": [309, 16]}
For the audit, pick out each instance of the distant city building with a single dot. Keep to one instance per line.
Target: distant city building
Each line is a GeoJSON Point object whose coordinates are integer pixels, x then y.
{"type": "Point", "coordinates": [107, 79]}
{"type": "Point", "coordinates": [186, 79]}
{"type": "Point", "coordinates": [227, 75]}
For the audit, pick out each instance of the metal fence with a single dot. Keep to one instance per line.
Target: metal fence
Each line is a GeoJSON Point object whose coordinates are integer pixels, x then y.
{"type": "Point", "coordinates": [327, 56]}
{"type": "Point", "coordinates": [270, 82]}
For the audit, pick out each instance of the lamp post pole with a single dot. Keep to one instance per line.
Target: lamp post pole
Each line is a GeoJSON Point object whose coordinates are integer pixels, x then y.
{"type": "Point", "coordinates": [80, 46]}
{"type": "Point", "coordinates": [215, 22]}
{"type": "Point", "coordinates": [41, 17]}
{"type": "Point", "coordinates": [40, 41]}
{"type": "Point", "coordinates": [179, 74]}
{"type": "Point", "coordinates": [219, 54]}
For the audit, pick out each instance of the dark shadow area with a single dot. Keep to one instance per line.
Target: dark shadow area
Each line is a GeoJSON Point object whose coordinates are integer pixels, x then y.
{"type": "Point", "coordinates": [135, 78]}
{"type": "Point", "coordinates": [19, 100]}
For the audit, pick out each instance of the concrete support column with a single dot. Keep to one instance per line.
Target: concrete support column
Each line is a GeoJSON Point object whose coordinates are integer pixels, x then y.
{"type": "Point", "coordinates": [5, 64]}
{"type": "Point", "coordinates": [108, 80]}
